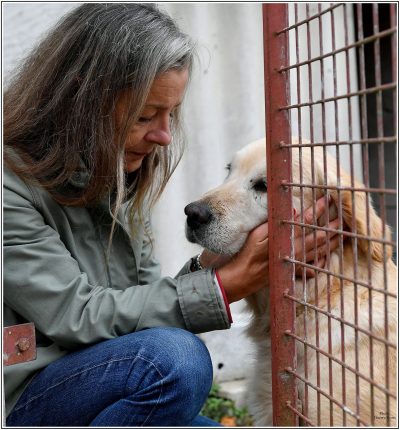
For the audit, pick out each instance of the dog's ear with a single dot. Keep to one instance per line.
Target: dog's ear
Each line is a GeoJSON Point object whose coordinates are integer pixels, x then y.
{"type": "Point", "coordinates": [366, 220]}
{"type": "Point", "coordinates": [364, 214]}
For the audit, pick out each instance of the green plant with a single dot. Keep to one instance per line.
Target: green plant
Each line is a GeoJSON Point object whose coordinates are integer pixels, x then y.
{"type": "Point", "coordinates": [220, 408]}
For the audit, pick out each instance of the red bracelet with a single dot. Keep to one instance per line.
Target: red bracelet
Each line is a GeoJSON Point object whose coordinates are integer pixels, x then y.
{"type": "Point", "coordinates": [228, 309]}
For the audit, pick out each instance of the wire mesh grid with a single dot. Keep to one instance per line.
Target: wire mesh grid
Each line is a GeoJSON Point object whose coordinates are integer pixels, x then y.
{"type": "Point", "coordinates": [340, 103]}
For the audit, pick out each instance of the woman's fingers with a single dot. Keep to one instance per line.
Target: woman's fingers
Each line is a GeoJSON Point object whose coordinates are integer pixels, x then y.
{"type": "Point", "coordinates": [318, 209]}
{"type": "Point", "coordinates": [316, 249]}
{"type": "Point", "coordinates": [313, 247]}
{"type": "Point", "coordinates": [317, 258]}
{"type": "Point", "coordinates": [260, 233]}
{"type": "Point", "coordinates": [307, 272]}
{"type": "Point", "coordinates": [321, 252]}
{"type": "Point", "coordinates": [317, 212]}
{"type": "Point", "coordinates": [319, 237]}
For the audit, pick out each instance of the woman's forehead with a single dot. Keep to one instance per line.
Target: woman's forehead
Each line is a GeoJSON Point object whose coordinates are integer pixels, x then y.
{"type": "Point", "coordinates": [167, 92]}
{"type": "Point", "coordinates": [168, 89]}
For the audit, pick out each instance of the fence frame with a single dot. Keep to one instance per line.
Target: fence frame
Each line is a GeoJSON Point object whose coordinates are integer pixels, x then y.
{"type": "Point", "coordinates": [281, 273]}
{"type": "Point", "coordinates": [286, 411]}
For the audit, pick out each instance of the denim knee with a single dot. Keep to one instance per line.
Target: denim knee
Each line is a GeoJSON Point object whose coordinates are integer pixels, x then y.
{"type": "Point", "coordinates": [186, 354]}
{"type": "Point", "coordinates": [190, 356]}
{"type": "Point", "coordinates": [154, 377]}
{"type": "Point", "coordinates": [186, 365]}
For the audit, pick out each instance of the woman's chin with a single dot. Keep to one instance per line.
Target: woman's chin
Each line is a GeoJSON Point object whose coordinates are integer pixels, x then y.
{"type": "Point", "coordinates": [132, 165]}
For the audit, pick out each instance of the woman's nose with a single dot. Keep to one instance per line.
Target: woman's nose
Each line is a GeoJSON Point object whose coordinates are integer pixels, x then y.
{"type": "Point", "coordinates": [160, 134]}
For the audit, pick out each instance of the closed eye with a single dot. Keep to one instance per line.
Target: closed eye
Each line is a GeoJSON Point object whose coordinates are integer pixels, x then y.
{"type": "Point", "coordinates": [144, 119]}
{"type": "Point", "coordinates": [260, 186]}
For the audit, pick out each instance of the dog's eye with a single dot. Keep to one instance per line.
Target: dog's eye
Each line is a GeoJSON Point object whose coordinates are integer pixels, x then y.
{"type": "Point", "coordinates": [260, 186]}
{"type": "Point", "coordinates": [228, 167]}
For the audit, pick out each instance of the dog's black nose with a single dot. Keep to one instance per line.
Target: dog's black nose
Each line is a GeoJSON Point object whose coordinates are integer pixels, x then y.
{"type": "Point", "coordinates": [198, 214]}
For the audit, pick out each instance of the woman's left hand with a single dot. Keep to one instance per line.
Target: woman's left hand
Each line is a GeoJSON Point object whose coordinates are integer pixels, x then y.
{"type": "Point", "coordinates": [317, 243]}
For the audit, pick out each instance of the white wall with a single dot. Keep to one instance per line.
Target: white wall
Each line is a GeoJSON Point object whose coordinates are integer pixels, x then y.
{"type": "Point", "coordinates": [224, 110]}
{"type": "Point", "coordinates": [310, 80]}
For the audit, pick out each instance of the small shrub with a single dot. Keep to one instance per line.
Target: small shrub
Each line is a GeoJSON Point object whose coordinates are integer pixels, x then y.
{"type": "Point", "coordinates": [224, 410]}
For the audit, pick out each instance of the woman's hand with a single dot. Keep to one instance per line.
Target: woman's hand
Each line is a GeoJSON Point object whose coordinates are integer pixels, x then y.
{"type": "Point", "coordinates": [315, 242]}
{"type": "Point", "coordinates": [209, 259]}
{"type": "Point", "coordinates": [247, 271]}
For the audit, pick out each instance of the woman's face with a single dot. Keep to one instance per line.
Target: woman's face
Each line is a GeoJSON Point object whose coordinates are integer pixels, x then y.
{"type": "Point", "coordinates": [153, 126]}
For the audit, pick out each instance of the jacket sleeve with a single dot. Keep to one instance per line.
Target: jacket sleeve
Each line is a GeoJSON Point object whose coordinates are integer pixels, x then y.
{"type": "Point", "coordinates": [194, 289]}
{"type": "Point", "coordinates": [43, 283]}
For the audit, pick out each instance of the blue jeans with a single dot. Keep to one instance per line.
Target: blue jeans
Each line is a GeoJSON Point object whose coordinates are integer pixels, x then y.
{"type": "Point", "coordinates": [154, 377]}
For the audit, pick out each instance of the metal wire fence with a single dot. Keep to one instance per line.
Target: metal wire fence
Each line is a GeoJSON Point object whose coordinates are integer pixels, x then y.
{"type": "Point", "coordinates": [331, 81]}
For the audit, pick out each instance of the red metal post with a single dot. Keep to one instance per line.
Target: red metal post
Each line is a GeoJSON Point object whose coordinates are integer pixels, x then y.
{"type": "Point", "coordinates": [282, 310]}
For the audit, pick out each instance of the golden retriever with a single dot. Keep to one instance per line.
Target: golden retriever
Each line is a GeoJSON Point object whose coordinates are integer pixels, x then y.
{"type": "Point", "coordinates": [232, 210]}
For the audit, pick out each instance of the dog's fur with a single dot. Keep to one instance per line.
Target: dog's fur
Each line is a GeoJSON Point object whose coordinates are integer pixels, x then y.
{"type": "Point", "coordinates": [239, 205]}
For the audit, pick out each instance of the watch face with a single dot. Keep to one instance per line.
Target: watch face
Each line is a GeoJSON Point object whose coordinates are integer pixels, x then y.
{"type": "Point", "coordinates": [193, 265]}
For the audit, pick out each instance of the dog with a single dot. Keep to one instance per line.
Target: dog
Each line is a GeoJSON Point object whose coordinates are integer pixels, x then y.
{"type": "Point", "coordinates": [221, 221]}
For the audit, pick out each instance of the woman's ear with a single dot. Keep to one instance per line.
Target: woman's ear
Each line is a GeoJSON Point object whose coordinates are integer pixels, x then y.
{"type": "Point", "coordinates": [364, 215]}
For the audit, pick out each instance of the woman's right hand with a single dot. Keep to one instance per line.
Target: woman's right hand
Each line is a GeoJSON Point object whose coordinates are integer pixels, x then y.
{"type": "Point", "coordinates": [247, 271]}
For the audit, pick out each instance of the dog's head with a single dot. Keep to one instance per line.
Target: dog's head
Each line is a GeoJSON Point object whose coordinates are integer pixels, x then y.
{"type": "Point", "coordinates": [221, 220]}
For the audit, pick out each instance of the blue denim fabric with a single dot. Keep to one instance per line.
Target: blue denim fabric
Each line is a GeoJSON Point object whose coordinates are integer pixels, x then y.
{"type": "Point", "coordinates": [154, 377]}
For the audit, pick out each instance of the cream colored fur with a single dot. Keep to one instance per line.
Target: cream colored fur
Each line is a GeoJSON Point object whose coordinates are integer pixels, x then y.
{"type": "Point", "coordinates": [237, 209]}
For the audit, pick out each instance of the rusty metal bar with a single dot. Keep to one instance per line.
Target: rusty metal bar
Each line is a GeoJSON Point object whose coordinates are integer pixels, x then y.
{"type": "Point", "coordinates": [317, 15]}
{"type": "Point", "coordinates": [328, 260]}
{"type": "Point", "coordinates": [341, 232]}
{"type": "Point", "coordinates": [372, 140]}
{"type": "Point", "coordinates": [303, 247]}
{"type": "Point", "coordinates": [364, 134]}
{"type": "Point", "coordinates": [393, 24]}
{"type": "Point", "coordinates": [344, 278]}
{"type": "Point", "coordinates": [341, 320]}
{"type": "Point", "coordinates": [382, 203]}
{"type": "Point", "coordinates": [339, 188]}
{"type": "Point", "coordinates": [282, 311]}
{"type": "Point", "coordinates": [314, 199]}
{"type": "Point", "coordinates": [300, 415]}
{"type": "Point", "coordinates": [346, 48]}
{"type": "Point", "coordinates": [346, 409]}
{"type": "Point", "coordinates": [336, 360]}
{"type": "Point", "coordinates": [354, 209]}
{"type": "Point", "coordinates": [372, 90]}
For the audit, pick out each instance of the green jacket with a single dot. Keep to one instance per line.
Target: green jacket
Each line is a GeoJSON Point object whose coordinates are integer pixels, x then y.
{"type": "Point", "coordinates": [55, 275]}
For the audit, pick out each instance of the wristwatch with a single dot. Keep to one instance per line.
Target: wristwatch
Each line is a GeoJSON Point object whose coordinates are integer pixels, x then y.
{"type": "Point", "coordinates": [196, 265]}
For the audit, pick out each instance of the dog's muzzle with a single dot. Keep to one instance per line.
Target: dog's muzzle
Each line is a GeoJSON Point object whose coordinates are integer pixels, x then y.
{"type": "Point", "coordinates": [198, 215]}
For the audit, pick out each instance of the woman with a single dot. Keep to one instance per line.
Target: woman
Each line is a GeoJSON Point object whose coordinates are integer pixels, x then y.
{"type": "Point", "coordinates": [88, 126]}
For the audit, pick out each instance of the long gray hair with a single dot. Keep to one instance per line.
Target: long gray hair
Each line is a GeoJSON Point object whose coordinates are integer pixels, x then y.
{"type": "Point", "coordinates": [58, 109]}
